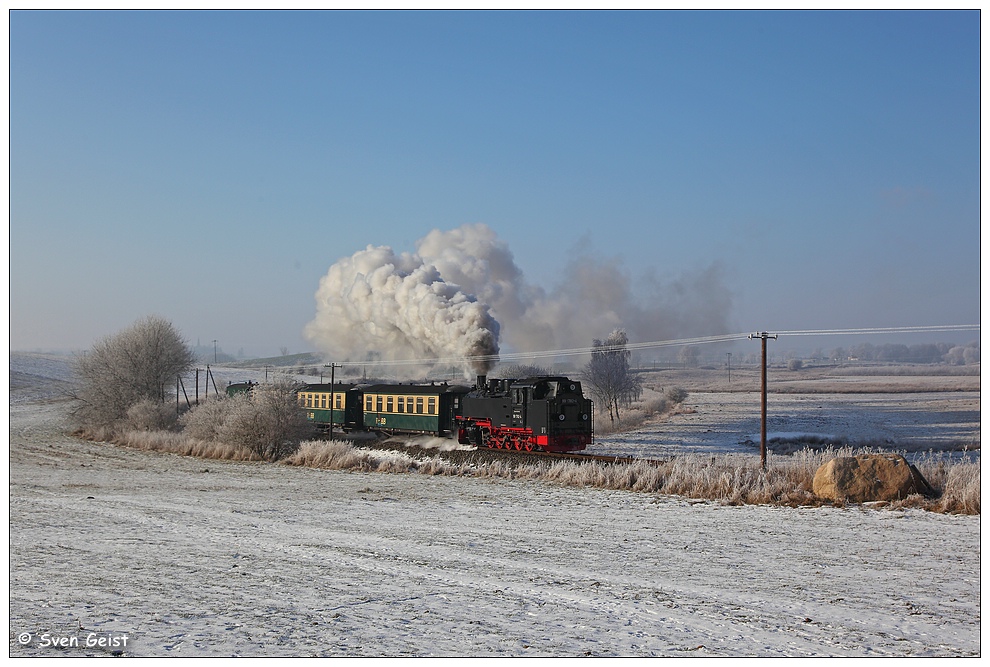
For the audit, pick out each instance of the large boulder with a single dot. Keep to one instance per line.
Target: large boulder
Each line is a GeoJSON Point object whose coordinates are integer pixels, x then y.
{"type": "Point", "coordinates": [869, 477]}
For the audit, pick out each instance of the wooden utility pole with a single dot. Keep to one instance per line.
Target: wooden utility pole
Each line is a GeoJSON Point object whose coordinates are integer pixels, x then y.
{"type": "Point", "coordinates": [763, 336]}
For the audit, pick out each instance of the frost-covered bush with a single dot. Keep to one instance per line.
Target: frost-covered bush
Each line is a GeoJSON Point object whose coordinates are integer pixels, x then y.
{"type": "Point", "coordinates": [270, 422]}
{"type": "Point", "coordinates": [148, 415]}
{"type": "Point", "coordinates": [267, 421]}
{"type": "Point", "coordinates": [206, 420]}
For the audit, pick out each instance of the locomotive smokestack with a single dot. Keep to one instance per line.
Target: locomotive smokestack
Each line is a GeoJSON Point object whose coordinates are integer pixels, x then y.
{"type": "Point", "coordinates": [482, 381]}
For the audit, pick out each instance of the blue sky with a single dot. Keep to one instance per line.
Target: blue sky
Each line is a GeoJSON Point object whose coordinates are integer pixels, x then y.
{"type": "Point", "coordinates": [209, 167]}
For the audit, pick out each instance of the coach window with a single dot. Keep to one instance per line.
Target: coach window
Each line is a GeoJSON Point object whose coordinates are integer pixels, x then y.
{"type": "Point", "coordinates": [390, 405]}
{"type": "Point", "coordinates": [409, 405]}
{"type": "Point", "coordinates": [379, 403]}
{"type": "Point", "coordinates": [402, 404]}
{"type": "Point", "coordinates": [432, 405]}
{"type": "Point", "coordinates": [336, 399]}
{"type": "Point", "coordinates": [369, 404]}
{"type": "Point", "coordinates": [419, 405]}
{"type": "Point", "coordinates": [323, 401]}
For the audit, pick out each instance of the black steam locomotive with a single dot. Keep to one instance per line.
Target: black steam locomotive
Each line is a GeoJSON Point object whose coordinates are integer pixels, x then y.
{"type": "Point", "coordinates": [548, 413]}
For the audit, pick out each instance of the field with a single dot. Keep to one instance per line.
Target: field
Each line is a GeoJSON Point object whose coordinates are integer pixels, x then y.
{"type": "Point", "coordinates": [192, 557]}
{"type": "Point", "coordinates": [905, 408]}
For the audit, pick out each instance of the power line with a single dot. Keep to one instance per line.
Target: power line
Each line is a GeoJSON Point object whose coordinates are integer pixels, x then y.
{"type": "Point", "coordinates": [882, 330]}
{"type": "Point", "coordinates": [650, 345]}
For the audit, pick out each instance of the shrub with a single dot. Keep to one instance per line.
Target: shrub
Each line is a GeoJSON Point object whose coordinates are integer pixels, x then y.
{"type": "Point", "coordinates": [269, 423]}
{"type": "Point", "coordinates": [148, 415]}
{"type": "Point", "coordinates": [206, 420]}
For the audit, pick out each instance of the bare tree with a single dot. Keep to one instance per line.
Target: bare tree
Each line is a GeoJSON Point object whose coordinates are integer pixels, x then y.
{"type": "Point", "coordinates": [137, 365]}
{"type": "Point", "coordinates": [607, 374]}
{"type": "Point", "coordinates": [688, 356]}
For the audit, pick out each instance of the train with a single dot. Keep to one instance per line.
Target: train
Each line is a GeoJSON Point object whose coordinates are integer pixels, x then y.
{"type": "Point", "coordinates": [544, 413]}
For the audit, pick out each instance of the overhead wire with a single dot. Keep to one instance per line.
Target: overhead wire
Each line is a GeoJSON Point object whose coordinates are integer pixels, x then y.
{"type": "Point", "coordinates": [679, 342]}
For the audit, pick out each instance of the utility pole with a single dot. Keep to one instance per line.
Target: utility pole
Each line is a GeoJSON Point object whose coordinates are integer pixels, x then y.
{"type": "Point", "coordinates": [763, 336]}
{"type": "Point", "coordinates": [333, 367]}
{"type": "Point", "coordinates": [214, 350]}
{"type": "Point", "coordinates": [728, 365]}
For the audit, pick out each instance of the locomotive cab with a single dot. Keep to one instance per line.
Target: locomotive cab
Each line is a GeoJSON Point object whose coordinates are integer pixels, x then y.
{"type": "Point", "coordinates": [558, 413]}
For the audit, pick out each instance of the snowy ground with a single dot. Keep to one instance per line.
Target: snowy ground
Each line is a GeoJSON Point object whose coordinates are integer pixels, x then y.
{"type": "Point", "coordinates": [191, 557]}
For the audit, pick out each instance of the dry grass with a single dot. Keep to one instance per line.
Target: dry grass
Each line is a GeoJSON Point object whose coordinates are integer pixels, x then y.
{"type": "Point", "coordinates": [172, 443]}
{"type": "Point", "coordinates": [960, 487]}
{"type": "Point", "coordinates": [729, 478]}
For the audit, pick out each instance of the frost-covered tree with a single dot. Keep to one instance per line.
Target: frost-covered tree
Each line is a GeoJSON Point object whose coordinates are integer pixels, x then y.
{"type": "Point", "coordinates": [607, 374]}
{"type": "Point", "coordinates": [136, 365]}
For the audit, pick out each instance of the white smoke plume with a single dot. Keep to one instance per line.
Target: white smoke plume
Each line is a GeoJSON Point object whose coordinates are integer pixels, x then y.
{"type": "Point", "coordinates": [399, 307]}
{"type": "Point", "coordinates": [462, 292]}
{"type": "Point", "coordinates": [593, 297]}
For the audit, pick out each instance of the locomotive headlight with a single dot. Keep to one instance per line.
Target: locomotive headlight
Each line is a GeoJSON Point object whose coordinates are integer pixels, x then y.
{"type": "Point", "coordinates": [560, 417]}
{"type": "Point", "coordinates": [584, 417]}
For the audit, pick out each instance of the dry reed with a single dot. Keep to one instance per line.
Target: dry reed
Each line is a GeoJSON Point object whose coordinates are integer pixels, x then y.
{"type": "Point", "coordinates": [728, 478]}
{"type": "Point", "coordinates": [171, 443]}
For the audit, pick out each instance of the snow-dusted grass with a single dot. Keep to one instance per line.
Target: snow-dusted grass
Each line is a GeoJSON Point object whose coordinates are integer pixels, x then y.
{"type": "Point", "coordinates": [729, 479]}
{"type": "Point", "coordinates": [171, 442]}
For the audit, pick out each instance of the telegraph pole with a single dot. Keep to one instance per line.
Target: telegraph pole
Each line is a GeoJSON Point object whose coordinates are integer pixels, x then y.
{"type": "Point", "coordinates": [728, 365]}
{"type": "Point", "coordinates": [763, 336]}
{"type": "Point", "coordinates": [333, 367]}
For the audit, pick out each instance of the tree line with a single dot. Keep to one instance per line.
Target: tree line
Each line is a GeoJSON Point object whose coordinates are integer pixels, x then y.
{"type": "Point", "coordinates": [925, 353]}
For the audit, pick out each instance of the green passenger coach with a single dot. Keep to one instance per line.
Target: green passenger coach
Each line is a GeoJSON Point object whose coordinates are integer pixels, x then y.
{"type": "Point", "coordinates": [412, 408]}
{"type": "Point", "coordinates": [339, 403]}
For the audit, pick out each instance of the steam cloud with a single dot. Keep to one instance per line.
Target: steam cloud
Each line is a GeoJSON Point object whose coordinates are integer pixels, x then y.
{"type": "Point", "coordinates": [399, 307]}
{"type": "Point", "coordinates": [462, 293]}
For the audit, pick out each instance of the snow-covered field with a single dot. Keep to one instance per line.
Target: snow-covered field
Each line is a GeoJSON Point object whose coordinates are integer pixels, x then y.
{"type": "Point", "coordinates": [197, 557]}
{"type": "Point", "coordinates": [729, 423]}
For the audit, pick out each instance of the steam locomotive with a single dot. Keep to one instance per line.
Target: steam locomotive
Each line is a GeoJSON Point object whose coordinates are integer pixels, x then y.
{"type": "Point", "coordinates": [548, 413]}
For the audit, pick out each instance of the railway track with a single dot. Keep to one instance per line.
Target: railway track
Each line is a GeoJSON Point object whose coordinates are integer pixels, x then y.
{"type": "Point", "coordinates": [483, 454]}
{"type": "Point", "coordinates": [596, 457]}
